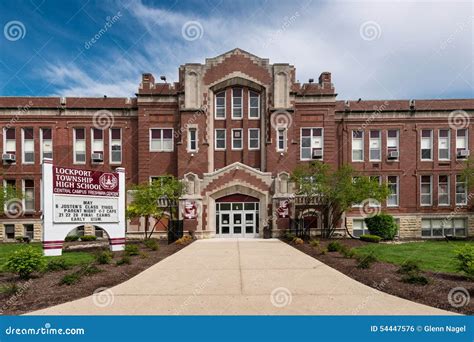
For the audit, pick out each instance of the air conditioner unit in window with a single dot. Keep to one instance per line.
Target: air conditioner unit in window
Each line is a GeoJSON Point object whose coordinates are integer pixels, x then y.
{"type": "Point", "coordinates": [463, 154]}
{"type": "Point", "coordinates": [393, 155]}
{"type": "Point", "coordinates": [9, 157]}
{"type": "Point", "coordinates": [97, 157]}
{"type": "Point", "coordinates": [317, 154]}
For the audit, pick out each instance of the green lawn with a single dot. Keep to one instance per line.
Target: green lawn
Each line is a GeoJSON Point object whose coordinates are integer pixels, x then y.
{"type": "Point", "coordinates": [437, 256]}
{"type": "Point", "coordinates": [72, 258]}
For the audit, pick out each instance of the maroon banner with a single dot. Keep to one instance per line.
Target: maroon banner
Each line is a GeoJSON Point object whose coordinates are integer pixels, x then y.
{"type": "Point", "coordinates": [68, 181]}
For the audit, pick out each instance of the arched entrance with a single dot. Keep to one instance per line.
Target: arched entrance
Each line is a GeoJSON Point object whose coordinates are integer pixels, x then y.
{"type": "Point", "coordinates": [237, 215]}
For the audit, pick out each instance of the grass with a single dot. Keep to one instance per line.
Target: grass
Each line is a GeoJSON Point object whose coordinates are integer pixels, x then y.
{"type": "Point", "coordinates": [72, 258]}
{"type": "Point", "coordinates": [436, 256]}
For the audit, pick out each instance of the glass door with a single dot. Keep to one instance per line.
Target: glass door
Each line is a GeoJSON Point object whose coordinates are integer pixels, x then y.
{"type": "Point", "coordinates": [237, 224]}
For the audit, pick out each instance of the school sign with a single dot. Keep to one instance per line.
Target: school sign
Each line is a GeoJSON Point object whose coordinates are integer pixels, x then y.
{"type": "Point", "coordinates": [74, 197]}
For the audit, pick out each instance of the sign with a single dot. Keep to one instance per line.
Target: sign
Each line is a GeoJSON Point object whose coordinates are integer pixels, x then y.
{"type": "Point", "coordinates": [190, 210]}
{"type": "Point", "coordinates": [75, 197]}
{"type": "Point", "coordinates": [282, 210]}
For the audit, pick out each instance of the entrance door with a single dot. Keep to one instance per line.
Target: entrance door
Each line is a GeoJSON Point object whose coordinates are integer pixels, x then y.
{"type": "Point", "coordinates": [237, 219]}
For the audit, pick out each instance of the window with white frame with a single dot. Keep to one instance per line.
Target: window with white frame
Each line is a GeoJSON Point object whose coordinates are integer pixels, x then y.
{"type": "Point", "coordinates": [439, 227]}
{"type": "Point", "coordinates": [254, 138]}
{"type": "Point", "coordinates": [9, 145]}
{"type": "Point", "coordinates": [426, 190]}
{"type": "Point", "coordinates": [311, 143]}
{"type": "Point", "coordinates": [426, 144]}
{"type": "Point", "coordinates": [281, 139]}
{"type": "Point", "coordinates": [393, 141]}
{"type": "Point", "coordinates": [192, 139]}
{"type": "Point", "coordinates": [254, 105]}
{"type": "Point", "coordinates": [97, 145]}
{"type": "Point", "coordinates": [443, 190]}
{"type": "Point", "coordinates": [161, 139]}
{"type": "Point", "coordinates": [237, 103]}
{"type": "Point", "coordinates": [237, 139]}
{"type": "Point", "coordinates": [79, 146]}
{"type": "Point", "coordinates": [359, 227]}
{"type": "Point", "coordinates": [393, 187]}
{"type": "Point", "coordinates": [443, 144]}
{"type": "Point", "coordinates": [46, 143]}
{"type": "Point", "coordinates": [461, 190]}
{"type": "Point", "coordinates": [220, 139]}
{"type": "Point", "coordinates": [115, 145]}
{"type": "Point", "coordinates": [461, 143]}
{"type": "Point", "coordinates": [28, 146]}
{"type": "Point", "coordinates": [357, 145]}
{"type": "Point", "coordinates": [220, 105]}
{"type": "Point", "coordinates": [375, 146]}
{"type": "Point", "coordinates": [29, 194]}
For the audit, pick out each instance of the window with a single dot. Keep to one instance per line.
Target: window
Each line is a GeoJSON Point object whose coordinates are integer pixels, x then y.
{"type": "Point", "coordinates": [392, 144]}
{"type": "Point", "coordinates": [9, 145]}
{"type": "Point", "coordinates": [115, 146]}
{"type": "Point", "coordinates": [375, 146]}
{"type": "Point", "coordinates": [192, 139]}
{"type": "Point", "coordinates": [357, 146]}
{"type": "Point", "coordinates": [359, 227]}
{"type": "Point", "coordinates": [28, 146]}
{"type": "Point", "coordinates": [437, 228]}
{"type": "Point", "coordinates": [443, 190]}
{"type": "Point", "coordinates": [443, 144]}
{"type": "Point", "coordinates": [254, 138]}
{"type": "Point", "coordinates": [161, 179]}
{"type": "Point", "coordinates": [220, 105]}
{"type": "Point", "coordinates": [237, 139]}
{"type": "Point", "coordinates": [373, 202]}
{"type": "Point", "coordinates": [425, 193]}
{"type": "Point", "coordinates": [29, 231]}
{"type": "Point", "coordinates": [10, 231]}
{"type": "Point", "coordinates": [311, 143]}
{"type": "Point", "coordinates": [46, 143]}
{"type": "Point", "coordinates": [220, 139]}
{"type": "Point", "coordinates": [392, 199]}
{"type": "Point", "coordinates": [254, 105]}
{"type": "Point", "coordinates": [461, 191]}
{"type": "Point", "coordinates": [426, 144]}
{"type": "Point", "coordinates": [461, 143]}
{"type": "Point", "coordinates": [161, 140]}
{"type": "Point", "coordinates": [29, 195]}
{"type": "Point", "coordinates": [97, 146]}
{"type": "Point", "coordinates": [237, 103]}
{"type": "Point", "coordinates": [79, 146]}
{"type": "Point", "coordinates": [281, 139]}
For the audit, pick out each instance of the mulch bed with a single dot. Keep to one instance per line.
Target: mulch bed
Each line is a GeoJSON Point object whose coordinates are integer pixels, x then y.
{"type": "Point", "coordinates": [384, 277]}
{"type": "Point", "coordinates": [44, 290]}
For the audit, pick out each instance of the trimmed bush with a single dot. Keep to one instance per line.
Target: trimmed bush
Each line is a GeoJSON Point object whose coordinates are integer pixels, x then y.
{"type": "Point", "coordinates": [365, 261]}
{"type": "Point", "coordinates": [25, 261]}
{"type": "Point", "coordinates": [370, 238]}
{"type": "Point", "coordinates": [465, 259]}
{"type": "Point", "coordinates": [346, 252]}
{"type": "Point", "coordinates": [131, 250]}
{"type": "Point", "coordinates": [417, 279]}
{"type": "Point", "coordinates": [314, 243]}
{"type": "Point", "coordinates": [124, 260]}
{"type": "Point", "coordinates": [334, 246]}
{"type": "Point", "coordinates": [70, 279]}
{"type": "Point", "coordinates": [88, 238]}
{"type": "Point", "coordinates": [71, 238]}
{"type": "Point", "coordinates": [151, 244]}
{"type": "Point", "coordinates": [382, 225]}
{"type": "Point", "coordinates": [103, 257]}
{"type": "Point", "coordinates": [56, 264]}
{"type": "Point", "coordinates": [409, 266]}
{"type": "Point", "coordinates": [411, 273]}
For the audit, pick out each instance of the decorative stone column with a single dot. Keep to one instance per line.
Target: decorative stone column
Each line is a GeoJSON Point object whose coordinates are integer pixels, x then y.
{"type": "Point", "coordinates": [89, 229]}
{"type": "Point", "coordinates": [19, 230]}
{"type": "Point", "coordinates": [2, 232]}
{"type": "Point", "coordinates": [37, 231]}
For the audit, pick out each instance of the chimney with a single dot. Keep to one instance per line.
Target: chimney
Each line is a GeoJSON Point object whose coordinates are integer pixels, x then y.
{"type": "Point", "coordinates": [325, 79]}
{"type": "Point", "coordinates": [148, 81]}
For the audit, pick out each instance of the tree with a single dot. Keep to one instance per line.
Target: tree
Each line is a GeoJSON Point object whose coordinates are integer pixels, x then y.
{"type": "Point", "coordinates": [335, 191]}
{"type": "Point", "coordinates": [11, 201]}
{"type": "Point", "coordinates": [467, 176]}
{"type": "Point", "coordinates": [146, 199]}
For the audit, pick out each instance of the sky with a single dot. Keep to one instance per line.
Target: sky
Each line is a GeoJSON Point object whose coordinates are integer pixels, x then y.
{"type": "Point", "coordinates": [374, 49]}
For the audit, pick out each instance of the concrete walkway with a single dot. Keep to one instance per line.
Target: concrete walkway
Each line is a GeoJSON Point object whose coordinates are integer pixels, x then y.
{"type": "Point", "coordinates": [243, 277]}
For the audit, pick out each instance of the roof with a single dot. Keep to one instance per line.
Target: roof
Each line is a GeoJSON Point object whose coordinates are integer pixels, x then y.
{"type": "Point", "coordinates": [404, 105]}
{"type": "Point", "coordinates": [71, 102]}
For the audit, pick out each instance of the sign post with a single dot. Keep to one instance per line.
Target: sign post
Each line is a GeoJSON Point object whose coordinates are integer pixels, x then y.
{"type": "Point", "coordinates": [74, 197]}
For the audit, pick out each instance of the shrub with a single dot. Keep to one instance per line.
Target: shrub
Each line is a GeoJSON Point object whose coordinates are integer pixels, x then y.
{"type": "Point", "coordinates": [324, 251]}
{"type": "Point", "coordinates": [417, 279]}
{"type": "Point", "coordinates": [289, 236]}
{"type": "Point", "coordinates": [314, 243]}
{"type": "Point", "coordinates": [298, 241]}
{"type": "Point", "coordinates": [71, 238]}
{"type": "Point", "coordinates": [88, 238]}
{"type": "Point", "coordinates": [334, 246]}
{"type": "Point", "coordinates": [382, 225]}
{"type": "Point", "coordinates": [125, 259]}
{"type": "Point", "coordinates": [365, 261]}
{"type": "Point", "coordinates": [370, 238]}
{"type": "Point", "coordinates": [56, 264]}
{"type": "Point", "coordinates": [465, 258]}
{"type": "Point", "coordinates": [89, 269]}
{"type": "Point", "coordinates": [70, 279]}
{"type": "Point", "coordinates": [409, 266]}
{"type": "Point", "coordinates": [9, 289]}
{"type": "Point", "coordinates": [152, 244]}
{"type": "Point", "coordinates": [103, 257]}
{"type": "Point", "coordinates": [19, 239]}
{"type": "Point", "coordinates": [411, 272]}
{"type": "Point", "coordinates": [131, 250]}
{"type": "Point", "coordinates": [347, 252]}
{"type": "Point", "coordinates": [184, 240]}
{"type": "Point", "coordinates": [25, 261]}
{"type": "Point", "coordinates": [143, 255]}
